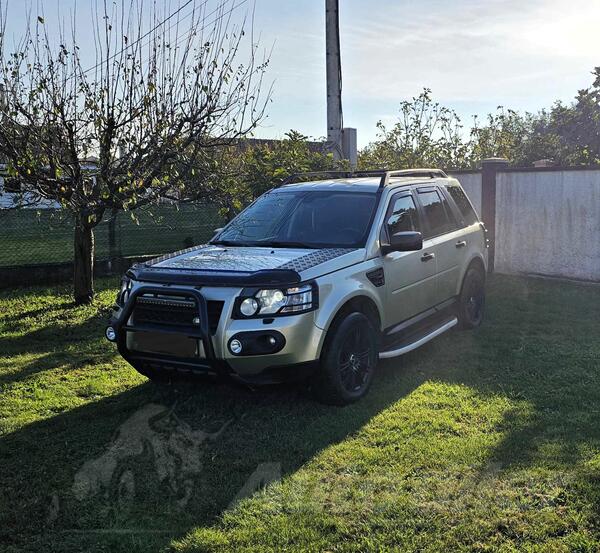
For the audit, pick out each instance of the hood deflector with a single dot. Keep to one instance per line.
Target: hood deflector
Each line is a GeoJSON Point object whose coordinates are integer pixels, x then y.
{"type": "Point", "coordinates": [192, 277]}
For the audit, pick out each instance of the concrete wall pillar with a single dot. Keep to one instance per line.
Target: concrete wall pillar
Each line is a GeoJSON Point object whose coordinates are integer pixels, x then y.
{"type": "Point", "coordinates": [489, 169]}
{"type": "Point", "coordinates": [349, 146]}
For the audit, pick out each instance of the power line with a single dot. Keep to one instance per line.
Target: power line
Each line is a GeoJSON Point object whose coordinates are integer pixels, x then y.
{"type": "Point", "coordinates": [178, 10]}
{"type": "Point", "coordinates": [179, 41]}
{"type": "Point", "coordinates": [221, 16]}
{"type": "Point", "coordinates": [185, 35]}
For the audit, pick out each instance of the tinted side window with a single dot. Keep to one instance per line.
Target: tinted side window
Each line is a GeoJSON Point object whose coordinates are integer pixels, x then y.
{"type": "Point", "coordinates": [437, 212]}
{"type": "Point", "coordinates": [463, 204]}
{"type": "Point", "coordinates": [403, 217]}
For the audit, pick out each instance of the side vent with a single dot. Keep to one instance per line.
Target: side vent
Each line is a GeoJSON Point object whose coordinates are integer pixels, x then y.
{"type": "Point", "coordinates": [376, 277]}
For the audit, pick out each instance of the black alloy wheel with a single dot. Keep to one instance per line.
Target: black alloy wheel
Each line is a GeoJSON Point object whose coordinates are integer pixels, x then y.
{"type": "Point", "coordinates": [348, 360]}
{"type": "Point", "coordinates": [354, 359]}
{"type": "Point", "coordinates": [472, 299]}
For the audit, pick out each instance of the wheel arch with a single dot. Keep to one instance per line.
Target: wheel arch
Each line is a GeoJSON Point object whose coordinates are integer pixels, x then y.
{"type": "Point", "coordinates": [359, 303]}
{"type": "Point", "coordinates": [465, 321]}
{"type": "Point", "coordinates": [475, 261]}
{"type": "Point", "coordinates": [363, 304]}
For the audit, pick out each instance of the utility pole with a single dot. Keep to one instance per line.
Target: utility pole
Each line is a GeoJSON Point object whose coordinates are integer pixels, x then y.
{"type": "Point", "coordinates": [342, 141]}
{"type": "Point", "coordinates": [334, 78]}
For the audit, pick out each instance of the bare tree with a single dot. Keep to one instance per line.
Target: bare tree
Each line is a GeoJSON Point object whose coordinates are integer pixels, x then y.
{"type": "Point", "coordinates": [167, 85]}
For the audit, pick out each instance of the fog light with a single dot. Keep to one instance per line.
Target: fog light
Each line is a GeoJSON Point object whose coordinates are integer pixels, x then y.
{"type": "Point", "coordinates": [110, 334]}
{"type": "Point", "coordinates": [256, 342]}
{"type": "Point", "coordinates": [235, 346]}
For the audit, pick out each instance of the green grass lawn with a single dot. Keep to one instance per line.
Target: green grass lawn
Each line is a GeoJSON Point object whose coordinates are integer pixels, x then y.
{"type": "Point", "coordinates": [29, 236]}
{"type": "Point", "coordinates": [479, 441]}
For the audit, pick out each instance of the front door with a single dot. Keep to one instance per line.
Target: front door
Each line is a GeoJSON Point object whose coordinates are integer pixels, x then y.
{"type": "Point", "coordinates": [409, 276]}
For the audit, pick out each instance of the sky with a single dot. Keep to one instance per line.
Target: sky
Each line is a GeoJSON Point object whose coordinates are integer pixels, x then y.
{"type": "Point", "coordinates": [475, 55]}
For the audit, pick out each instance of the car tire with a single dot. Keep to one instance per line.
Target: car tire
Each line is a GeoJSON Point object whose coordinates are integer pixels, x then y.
{"type": "Point", "coordinates": [348, 361]}
{"type": "Point", "coordinates": [471, 303]}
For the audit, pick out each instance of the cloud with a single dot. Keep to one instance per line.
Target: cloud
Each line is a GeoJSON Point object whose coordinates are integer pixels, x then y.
{"type": "Point", "coordinates": [473, 54]}
{"type": "Point", "coordinates": [466, 51]}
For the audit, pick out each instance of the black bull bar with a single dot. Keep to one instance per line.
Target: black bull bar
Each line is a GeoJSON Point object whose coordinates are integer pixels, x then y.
{"type": "Point", "coordinates": [157, 361]}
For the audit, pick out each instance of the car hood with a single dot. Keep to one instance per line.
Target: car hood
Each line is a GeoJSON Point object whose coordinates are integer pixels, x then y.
{"type": "Point", "coordinates": [246, 259]}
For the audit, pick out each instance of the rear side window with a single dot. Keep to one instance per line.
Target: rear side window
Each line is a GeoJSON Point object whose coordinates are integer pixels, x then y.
{"type": "Point", "coordinates": [437, 212]}
{"type": "Point", "coordinates": [463, 204]}
{"type": "Point", "coordinates": [403, 217]}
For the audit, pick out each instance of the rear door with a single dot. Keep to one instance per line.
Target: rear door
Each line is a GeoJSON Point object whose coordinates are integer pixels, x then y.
{"type": "Point", "coordinates": [471, 239]}
{"type": "Point", "coordinates": [409, 276]}
{"type": "Point", "coordinates": [444, 233]}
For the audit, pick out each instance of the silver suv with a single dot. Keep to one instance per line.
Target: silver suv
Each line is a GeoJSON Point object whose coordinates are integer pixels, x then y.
{"type": "Point", "coordinates": [313, 280]}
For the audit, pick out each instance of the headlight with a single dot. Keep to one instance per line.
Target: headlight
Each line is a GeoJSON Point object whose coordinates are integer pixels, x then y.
{"type": "Point", "coordinates": [249, 307]}
{"type": "Point", "coordinates": [298, 299]}
{"type": "Point", "coordinates": [275, 301]}
{"type": "Point", "coordinates": [270, 301]}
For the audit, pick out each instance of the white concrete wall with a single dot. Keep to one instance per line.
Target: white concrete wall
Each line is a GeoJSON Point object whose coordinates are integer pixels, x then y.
{"type": "Point", "coordinates": [471, 182]}
{"type": "Point", "coordinates": [548, 223]}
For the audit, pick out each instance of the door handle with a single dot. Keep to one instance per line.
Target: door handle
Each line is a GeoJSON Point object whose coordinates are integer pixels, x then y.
{"type": "Point", "coordinates": [461, 244]}
{"type": "Point", "coordinates": [427, 256]}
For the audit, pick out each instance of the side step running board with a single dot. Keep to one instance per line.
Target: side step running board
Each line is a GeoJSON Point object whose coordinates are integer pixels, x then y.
{"type": "Point", "coordinates": [417, 343]}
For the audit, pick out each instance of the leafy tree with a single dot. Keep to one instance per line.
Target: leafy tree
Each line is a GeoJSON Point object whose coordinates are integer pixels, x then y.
{"type": "Point", "coordinates": [428, 134]}
{"type": "Point", "coordinates": [156, 100]}
{"type": "Point", "coordinates": [425, 135]}
{"type": "Point", "coordinates": [568, 134]}
{"type": "Point", "coordinates": [265, 166]}
{"type": "Point", "coordinates": [520, 138]}
{"type": "Point", "coordinates": [576, 127]}
{"type": "Point", "coordinates": [242, 171]}
{"type": "Point", "coordinates": [501, 136]}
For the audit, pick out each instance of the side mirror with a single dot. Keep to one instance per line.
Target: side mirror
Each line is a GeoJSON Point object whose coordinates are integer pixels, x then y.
{"type": "Point", "coordinates": [404, 242]}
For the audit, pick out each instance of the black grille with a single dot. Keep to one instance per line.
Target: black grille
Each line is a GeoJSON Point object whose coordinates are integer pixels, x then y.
{"type": "Point", "coordinates": [174, 311]}
{"type": "Point", "coordinates": [214, 309]}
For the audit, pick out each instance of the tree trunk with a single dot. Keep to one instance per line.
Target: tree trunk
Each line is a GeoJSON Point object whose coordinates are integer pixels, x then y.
{"type": "Point", "coordinates": [112, 235]}
{"type": "Point", "coordinates": [83, 263]}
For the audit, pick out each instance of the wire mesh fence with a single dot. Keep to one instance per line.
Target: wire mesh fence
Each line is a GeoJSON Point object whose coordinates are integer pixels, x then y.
{"type": "Point", "coordinates": [31, 237]}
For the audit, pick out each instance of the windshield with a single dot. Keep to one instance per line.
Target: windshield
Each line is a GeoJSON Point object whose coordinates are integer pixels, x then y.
{"type": "Point", "coordinates": [312, 219]}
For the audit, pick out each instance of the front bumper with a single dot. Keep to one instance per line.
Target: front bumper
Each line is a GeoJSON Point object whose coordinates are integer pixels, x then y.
{"type": "Point", "coordinates": [302, 339]}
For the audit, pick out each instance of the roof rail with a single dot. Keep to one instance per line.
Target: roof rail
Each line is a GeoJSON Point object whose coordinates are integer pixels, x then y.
{"type": "Point", "coordinates": [333, 174]}
{"type": "Point", "coordinates": [383, 174]}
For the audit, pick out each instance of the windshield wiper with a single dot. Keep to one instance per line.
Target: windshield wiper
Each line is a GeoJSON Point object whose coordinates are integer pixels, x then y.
{"type": "Point", "coordinates": [265, 244]}
{"type": "Point", "coordinates": [230, 243]}
{"type": "Point", "coordinates": [286, 244]}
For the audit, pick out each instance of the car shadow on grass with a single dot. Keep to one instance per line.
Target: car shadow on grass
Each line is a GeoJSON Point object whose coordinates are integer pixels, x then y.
{"type": "Point", "coordinates": [155, 461]}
